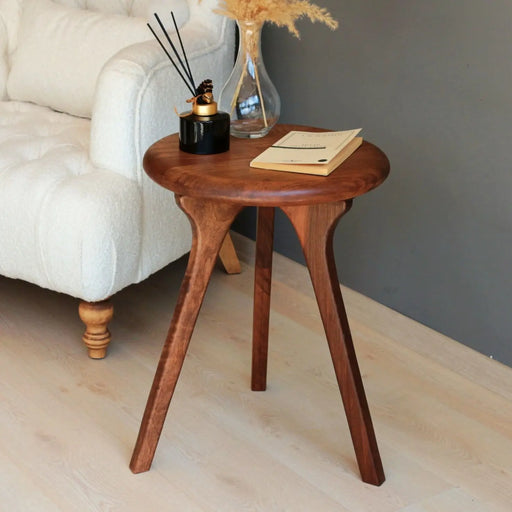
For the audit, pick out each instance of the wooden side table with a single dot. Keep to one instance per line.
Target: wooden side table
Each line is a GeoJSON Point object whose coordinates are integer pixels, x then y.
{"type": "Point", "coordinates": [212, 190]}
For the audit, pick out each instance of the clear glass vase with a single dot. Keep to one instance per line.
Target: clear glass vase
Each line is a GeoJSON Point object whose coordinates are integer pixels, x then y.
{"type": "Point", "coordinates": [249, 96]}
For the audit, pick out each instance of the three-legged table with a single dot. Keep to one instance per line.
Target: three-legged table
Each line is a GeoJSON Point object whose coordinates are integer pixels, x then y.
{"type": "Point", "coordinates": [212, 190]}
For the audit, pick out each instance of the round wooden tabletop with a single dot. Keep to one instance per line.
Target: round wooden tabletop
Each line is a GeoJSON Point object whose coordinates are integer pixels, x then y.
{"type": "Point", "coordinates": [228, 177]}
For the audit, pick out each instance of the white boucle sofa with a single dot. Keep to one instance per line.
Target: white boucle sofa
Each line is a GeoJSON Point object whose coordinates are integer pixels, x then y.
{"type": "Point", "coordinates": [85, 90]}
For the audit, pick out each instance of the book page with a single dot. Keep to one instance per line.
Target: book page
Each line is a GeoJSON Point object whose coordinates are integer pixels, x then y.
{"type": "Point", "coordinates": [298, 147]}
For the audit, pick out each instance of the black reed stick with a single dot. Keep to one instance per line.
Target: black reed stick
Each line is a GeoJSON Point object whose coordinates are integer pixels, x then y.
{"type": "Point", "coordinates": [173, 63]}
{"type": "Point", "coordinates": [174, 49]}
{"type": "Point", "coordinates": [183, 50]}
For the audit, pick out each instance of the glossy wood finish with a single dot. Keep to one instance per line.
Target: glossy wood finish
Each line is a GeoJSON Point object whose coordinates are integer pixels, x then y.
{"type": "Point", "coordinates": [228, 177]}
{"type": "Point", "coordinates": [262, 287]}
{"type": "Point", "coordinates": [210, 222]}
{"type": "Point", "coordinates": [315, 227]}
{"type": "Point", "coordinates": [212, 189]}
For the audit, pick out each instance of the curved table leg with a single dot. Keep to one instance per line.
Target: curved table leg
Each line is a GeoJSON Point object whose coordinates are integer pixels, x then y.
{"type": "Point", "coordinates": [210, 222]}
{"type": "Point", "coordinates": [315, 225]}
{"type": "Point", "coordinates": [228, 257]}
{"type": "Point", "coordinates": [262, 286]}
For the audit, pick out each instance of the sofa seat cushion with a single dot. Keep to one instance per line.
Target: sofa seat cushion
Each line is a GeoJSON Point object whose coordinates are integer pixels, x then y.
{"type": "Point", "coordinates": [65, 225]}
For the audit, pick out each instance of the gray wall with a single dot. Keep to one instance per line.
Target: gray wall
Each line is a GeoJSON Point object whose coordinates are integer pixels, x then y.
{"type": "Point", "coordinates": [431, 84]}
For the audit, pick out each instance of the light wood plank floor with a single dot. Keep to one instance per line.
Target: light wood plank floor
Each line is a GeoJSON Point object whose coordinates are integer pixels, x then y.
{"type": "Point", "coordinates": [442, 413]}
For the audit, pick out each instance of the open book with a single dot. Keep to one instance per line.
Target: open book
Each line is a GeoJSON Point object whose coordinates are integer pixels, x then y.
{"type": "Point", "coordinates": [309, 152]}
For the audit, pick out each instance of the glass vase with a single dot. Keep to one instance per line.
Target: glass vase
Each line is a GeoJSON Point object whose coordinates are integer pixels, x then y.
{"type": "Point", "coordinates": [249, 96]}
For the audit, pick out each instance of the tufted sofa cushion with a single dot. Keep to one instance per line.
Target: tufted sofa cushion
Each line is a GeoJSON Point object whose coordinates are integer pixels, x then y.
{"type": "Point", "coordinates": [65, 224]}
{"type": "Point", "coordinates": [66, 48]}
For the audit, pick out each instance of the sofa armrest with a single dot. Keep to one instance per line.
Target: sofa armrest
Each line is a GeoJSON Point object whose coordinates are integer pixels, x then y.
{"type": "Point", "coordinates": [138, 90]}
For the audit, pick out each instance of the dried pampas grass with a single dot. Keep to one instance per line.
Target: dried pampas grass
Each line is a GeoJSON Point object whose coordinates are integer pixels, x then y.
{"type": "Point", "coordinates": [283, 13]}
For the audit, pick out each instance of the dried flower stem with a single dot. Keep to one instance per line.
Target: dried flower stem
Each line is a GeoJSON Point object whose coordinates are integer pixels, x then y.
{"type": "Point", "coordinates": [257, 75]}
{"type": "Point", "coordinates": [249, 40]}
{"type": "Point", "coordinates": [237, 91]}
{"type": "Point", "coordinates": [283, 13]}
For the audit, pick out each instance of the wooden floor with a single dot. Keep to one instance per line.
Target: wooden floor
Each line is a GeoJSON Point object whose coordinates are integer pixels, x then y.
{"type": "Point", "coordinates": [442, 413]}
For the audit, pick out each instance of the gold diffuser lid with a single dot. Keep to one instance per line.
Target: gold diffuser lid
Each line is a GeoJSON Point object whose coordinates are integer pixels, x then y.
{"type": "Point", "coordinates": [207, 109]}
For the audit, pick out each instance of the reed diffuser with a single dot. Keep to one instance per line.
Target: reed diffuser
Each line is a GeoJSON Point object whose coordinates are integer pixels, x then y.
{"type": "Point", "coordinates": [204, 130]}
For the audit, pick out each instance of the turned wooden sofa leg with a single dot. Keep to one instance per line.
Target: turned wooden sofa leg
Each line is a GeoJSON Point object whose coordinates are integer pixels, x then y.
{"type": "Point", "coordinates": [96, 316]}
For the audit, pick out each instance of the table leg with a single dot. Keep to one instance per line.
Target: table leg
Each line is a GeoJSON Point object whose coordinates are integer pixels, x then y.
{"type": "Point", "coordinates": [228, 257]}
{"type": "Point", "coordinates": [315, 225]}
{"type": "Point", "coordinates": [210, 222]}
{"type": "Point", "coordinates": [262, 285]}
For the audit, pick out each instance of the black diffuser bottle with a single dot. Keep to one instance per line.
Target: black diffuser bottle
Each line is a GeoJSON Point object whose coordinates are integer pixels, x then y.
{"type": "Point", "coordinates": [205, 130]}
